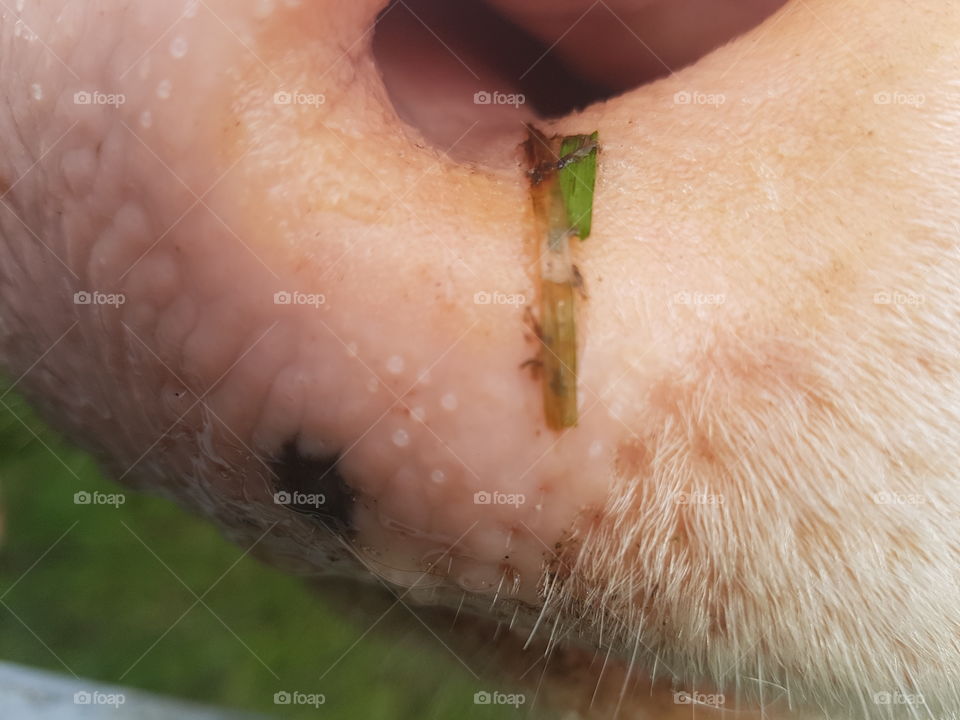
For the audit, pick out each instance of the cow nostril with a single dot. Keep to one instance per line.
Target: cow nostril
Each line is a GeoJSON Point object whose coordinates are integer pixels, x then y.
{"type": "Point", "coordinates": [464, 67]}
{"type": "Point", "coordinates": [313, 486]}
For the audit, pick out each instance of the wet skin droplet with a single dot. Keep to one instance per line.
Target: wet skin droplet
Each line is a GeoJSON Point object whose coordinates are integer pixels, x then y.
{"type": "Point", "coordinates": [178, 47]}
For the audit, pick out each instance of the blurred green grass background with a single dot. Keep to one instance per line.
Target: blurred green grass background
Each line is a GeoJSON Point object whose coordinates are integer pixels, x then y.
{"type": "Point", "coordinates": [81, 593]}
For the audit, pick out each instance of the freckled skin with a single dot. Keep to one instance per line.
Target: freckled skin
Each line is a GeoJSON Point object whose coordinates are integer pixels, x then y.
{"type": "Point", "coordinates": [769, 350]}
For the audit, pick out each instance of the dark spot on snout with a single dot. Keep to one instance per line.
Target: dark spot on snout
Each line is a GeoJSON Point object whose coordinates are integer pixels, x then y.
{"type": "Point", "coordinates": [313, 486]}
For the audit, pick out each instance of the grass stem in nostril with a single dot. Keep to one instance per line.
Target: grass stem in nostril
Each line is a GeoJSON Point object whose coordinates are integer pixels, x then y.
{"type": "Point", "coordinates": [562, 173]}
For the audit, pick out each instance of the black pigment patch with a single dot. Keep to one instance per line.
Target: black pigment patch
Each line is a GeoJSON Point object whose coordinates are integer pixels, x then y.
{"type": "Point", "coordinates": [313, 486]}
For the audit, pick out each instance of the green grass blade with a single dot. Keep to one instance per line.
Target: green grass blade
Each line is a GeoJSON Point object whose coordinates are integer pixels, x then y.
{"type": "Point", "coordinates": [577, 180]}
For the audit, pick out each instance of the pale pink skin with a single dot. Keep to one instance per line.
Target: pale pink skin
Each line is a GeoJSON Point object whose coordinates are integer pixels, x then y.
{"type": "Point", "coordinates": [791, 201]}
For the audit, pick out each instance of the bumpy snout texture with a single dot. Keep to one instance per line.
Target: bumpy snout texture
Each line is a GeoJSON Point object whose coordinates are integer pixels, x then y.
{"type": "Point", "coordinates": [243, 264]}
